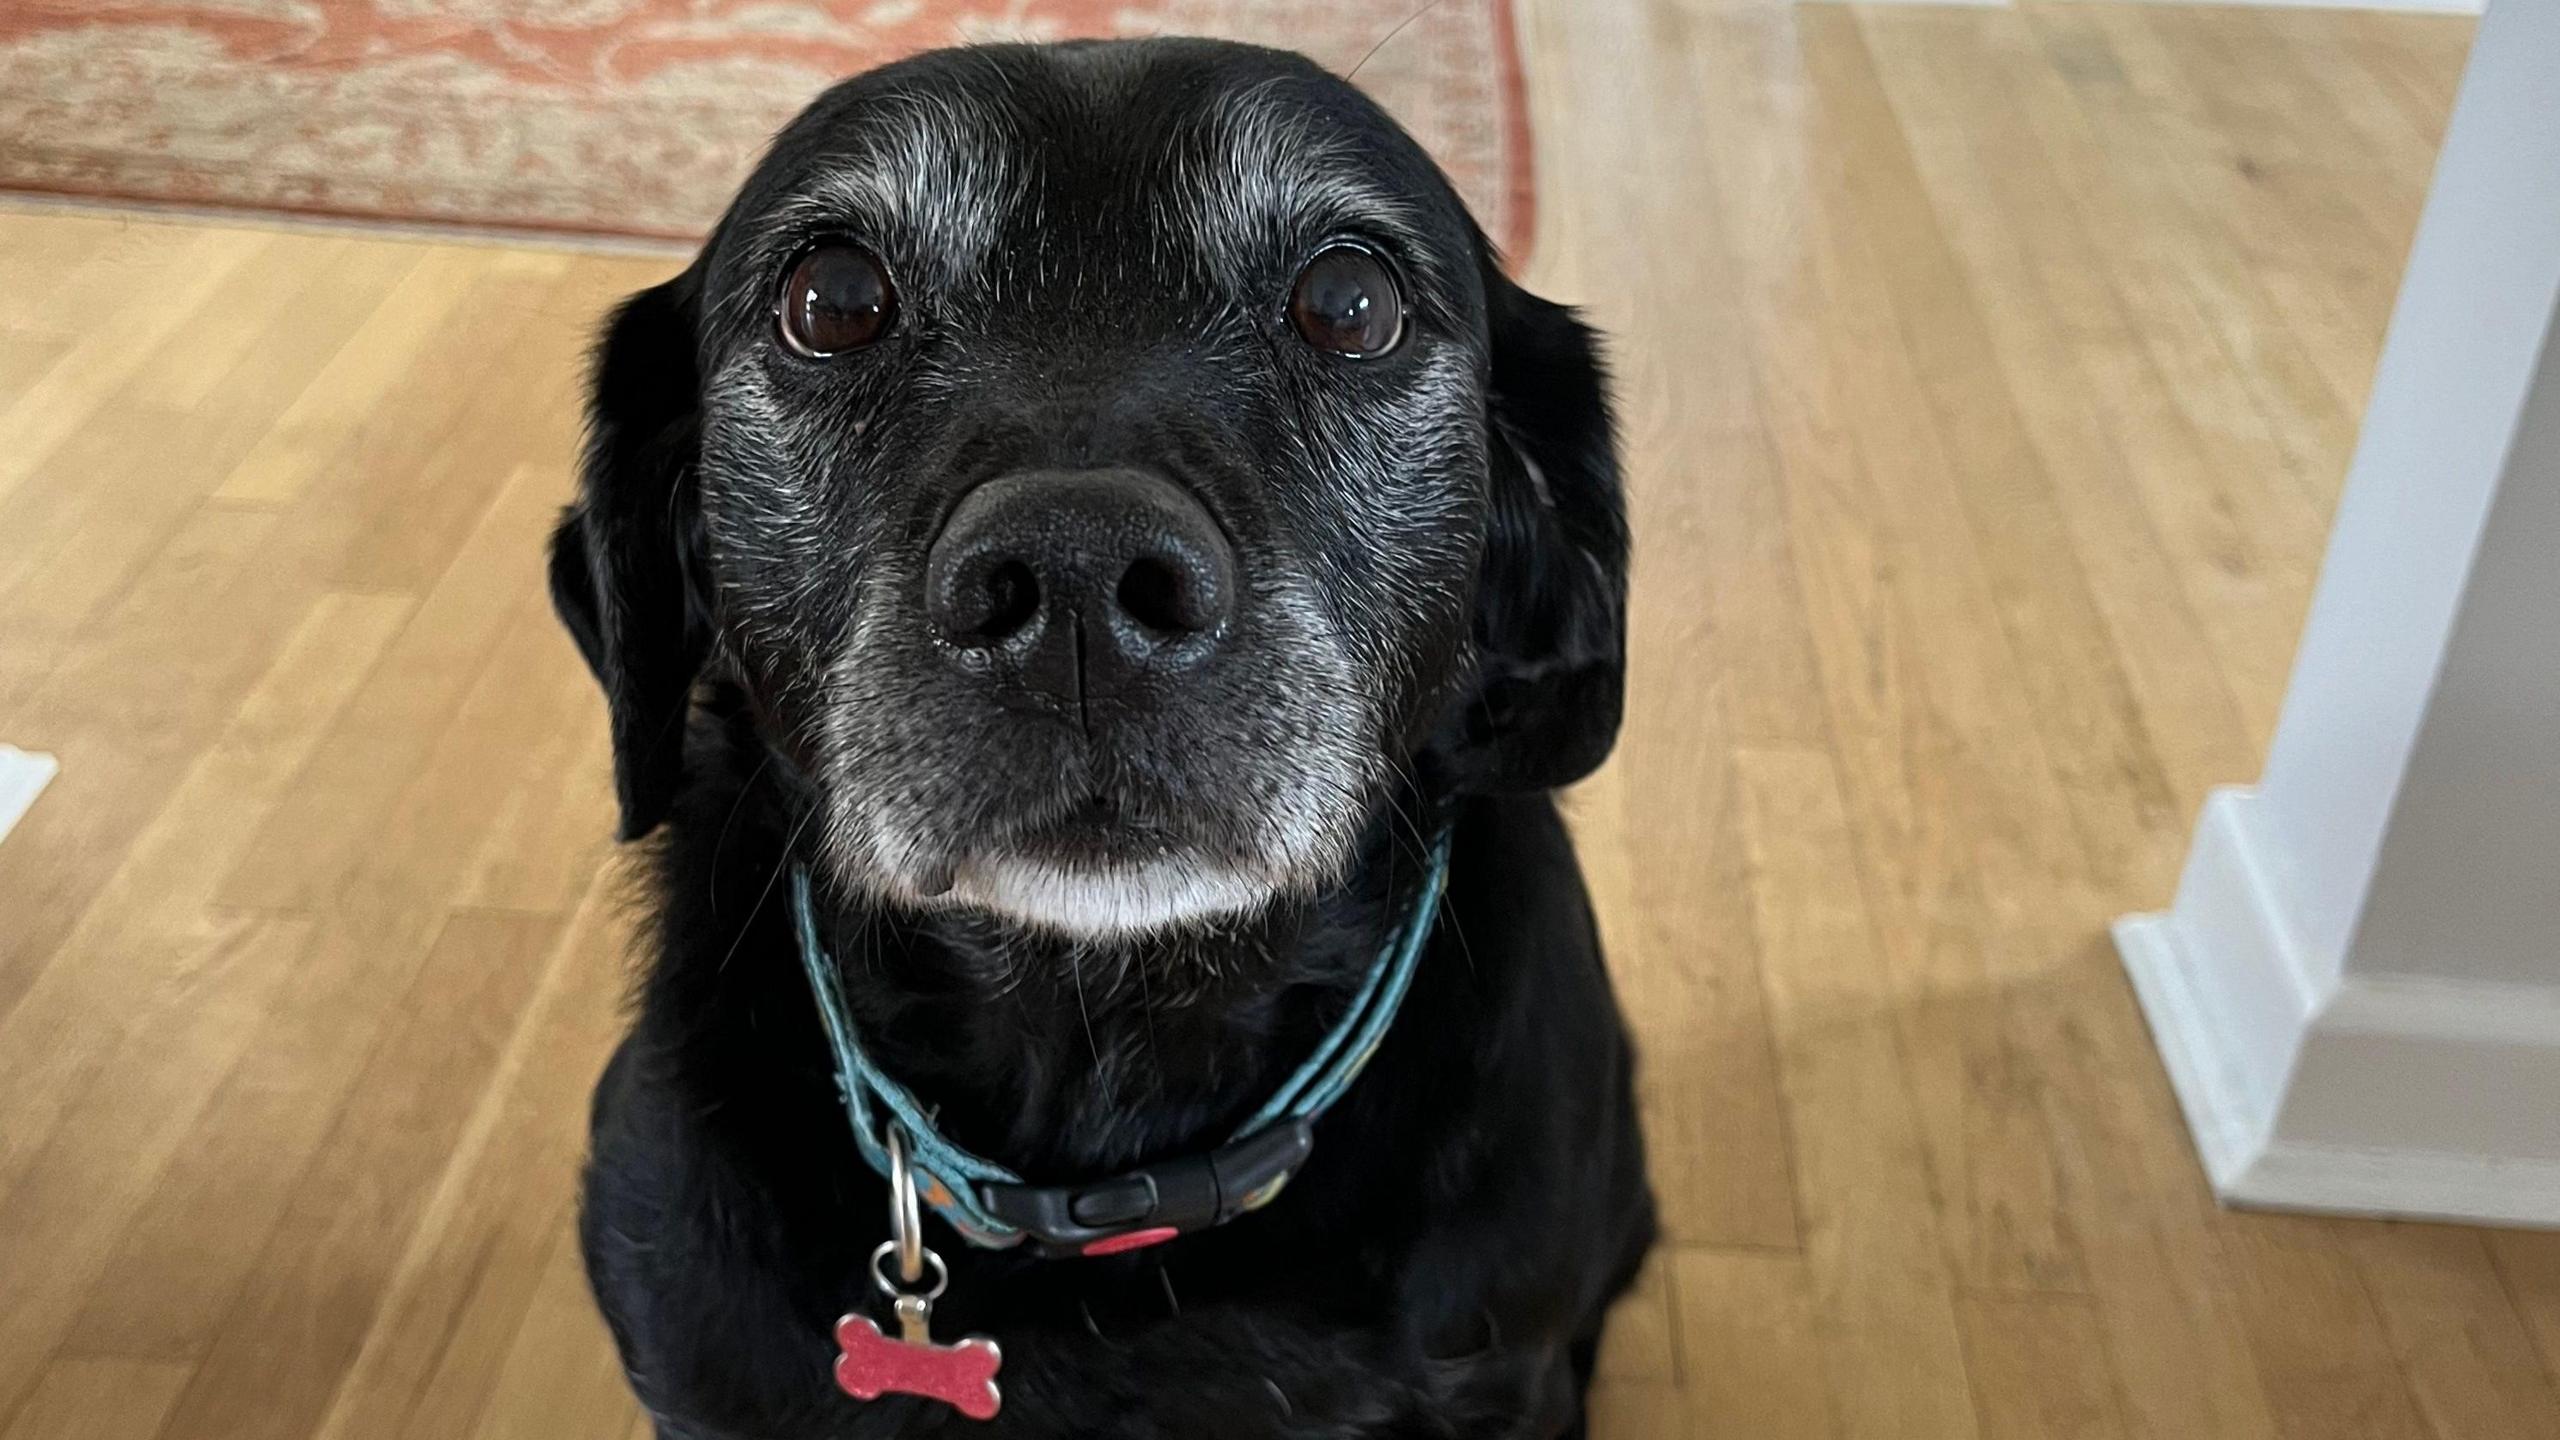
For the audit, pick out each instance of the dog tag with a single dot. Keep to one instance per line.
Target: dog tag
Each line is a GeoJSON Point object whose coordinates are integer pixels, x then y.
{"type": "Point", "coordinates": [962, 1376]}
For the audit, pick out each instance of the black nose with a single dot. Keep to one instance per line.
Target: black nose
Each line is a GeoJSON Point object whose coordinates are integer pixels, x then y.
{"type": "Point", "coordinates": [1079, 583]}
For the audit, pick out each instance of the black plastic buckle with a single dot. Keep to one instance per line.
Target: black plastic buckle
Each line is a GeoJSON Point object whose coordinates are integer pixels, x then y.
{"type": "Point", "coordinates": [1156, 1202]}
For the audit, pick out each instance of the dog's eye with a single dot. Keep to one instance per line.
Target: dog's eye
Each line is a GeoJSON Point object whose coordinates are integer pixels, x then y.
{"type": "Point", "coordinates": [1346, 302]}
{"type": "Point", "coordinates": [836, 298]}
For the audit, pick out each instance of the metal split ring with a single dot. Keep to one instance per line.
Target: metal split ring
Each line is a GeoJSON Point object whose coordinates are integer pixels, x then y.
{"type": "Point", "coordinates": [880, 1277]}
{"type": "Point", "coordinates": [906, 1223]}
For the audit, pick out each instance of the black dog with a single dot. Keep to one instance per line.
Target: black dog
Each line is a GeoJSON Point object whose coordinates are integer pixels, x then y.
{"type": "Point", "coordinates": [1099, 517]}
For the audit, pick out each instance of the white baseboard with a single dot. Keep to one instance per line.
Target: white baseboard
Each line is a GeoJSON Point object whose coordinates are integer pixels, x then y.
{"type": "Point", "coordinates": [2423, 7]}
{"type": "Point", "coordinates": [2228, 1130]}
{"type": "Point", "coordinates": [2228, 1030]}
{"type": "Point", "coordinates": [2361, 1095]}
{"type": "Point", "coordinates": [2401, 1185]}
{"type": "Point", "coordinates": [2427, 7]}
{"type": "Point", "coordinates": [23, 775]}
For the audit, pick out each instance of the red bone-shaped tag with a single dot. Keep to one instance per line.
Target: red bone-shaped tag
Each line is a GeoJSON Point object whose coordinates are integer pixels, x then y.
{"type": "Point", "coordinates": [962, 1376]}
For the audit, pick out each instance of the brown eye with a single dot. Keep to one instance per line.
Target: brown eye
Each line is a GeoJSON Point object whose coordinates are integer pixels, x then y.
{"type": "Point", "coordinates": [1346, 302]}
{"type": "Point", "coordinates": [836, 298]}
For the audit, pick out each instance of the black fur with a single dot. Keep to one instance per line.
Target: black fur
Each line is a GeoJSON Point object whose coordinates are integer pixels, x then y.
{"type": "Point", "coordinates": [1442, 1265]}
{"type": "Point", "coordinates": [621, 568]}
{"type": "Point", "coordinates": [1551, 607]}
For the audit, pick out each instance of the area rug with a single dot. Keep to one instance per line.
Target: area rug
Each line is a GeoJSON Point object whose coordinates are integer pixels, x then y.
{"type": "Point", "coordinates": [629, 118]}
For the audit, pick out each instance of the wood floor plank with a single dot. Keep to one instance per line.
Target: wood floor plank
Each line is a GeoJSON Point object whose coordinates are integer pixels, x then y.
{"type": "Point", "coordinates": [2412, 60]}
{"type": "Point", "coordinates": [83, 258]}
{"type": "Point", "coordinates": [212, 544]}
{"type": "Point", "coordinates": [1849, 417]}
{"type": "Point", "coordinates": [88, 255]}
{"type": "Point", "coordinates": [1636, 1410]}
{"type": "Point", "coordinates": [464, 1282]}
{"type": "Point", "coordinates": [2528, 1265]}
{"type": "Point", "coordinates": [151, 687]}
{"type": "Point", "coordinates": [99, 1400]}
{"type": "Point", "coordinates": [181, 423]}
{"type": "Point", "coordinates": [2196, 163]}
{"type": "Point", "coordinates": [334, 1076]}
{"type": "Point", "coordinates": [1643, 1342]}
{"type": "Point", "coordinates": [1881, 1300]}
{"type": "Point", "coordinates": [163, 293]}
{"type": "Point", "coordinates": [2160, 1282]}
{"type": "Point", "coordinates": [2319, 1341]}
{"type": "Point", "coordinates": [561, 1381]}
{"type": "Point", "coordinates": [2009, 219]}
{"type": "Point", "coordinates": [129, 710]}
{"type": "Point", "coordinates": [383, 351]}
{"type": "Point", "coordinates": [376, 931]}
{"type": "Point", "coordinates": [531, 685]}
{"type": "Point", "coordinates": [2453, 1324]}
{"type": "Point", "coordinates": [82, 1178]}
{"type": "Point", "coordinates": [2095, 740]}
{"type": "Point", "coordinates": [2040, 1367]}
{"type": "Point", "coordinates": [539, 414]}
{"type": "Point", "coordinates": [1717, 653]}
{"type": "Point", "coordinates": [273, 1359]}
{"type": "Point", "coordinates": [1720, 638]}
{"type": "Point", "coordinates": [1680, 950]}
{"type": "Point", "coordinates": [127, 961]}
{"type": "Point", "coordinates": [2176, 394]}
{"type": "Point", "coordinates": [545, 842]}
{"type": "Point", "coordinates": [2302, 84]}
{"type": "Point", "coordinates": [1750, 1346]}
{"type": "Point", "coordinates": [348, 788]}
{"type": "Point", "coordinates": [25, 355]}
{"type": "Point", "coordinates": [1941, 759]}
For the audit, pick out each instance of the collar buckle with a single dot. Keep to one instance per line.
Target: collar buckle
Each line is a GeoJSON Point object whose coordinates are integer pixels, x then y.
{"type": "Point", "coordinates": [1154, 1202]}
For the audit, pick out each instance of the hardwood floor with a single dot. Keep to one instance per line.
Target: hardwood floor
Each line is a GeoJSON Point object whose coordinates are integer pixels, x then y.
{"type": "Point", "coordinates": [1988, 377]}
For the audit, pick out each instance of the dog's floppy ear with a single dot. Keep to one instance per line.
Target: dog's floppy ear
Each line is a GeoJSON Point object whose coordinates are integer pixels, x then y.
{"type": "Point", "coordinates": [622, 559]}
{"type": "Point", "coordinates": [1551, 606]}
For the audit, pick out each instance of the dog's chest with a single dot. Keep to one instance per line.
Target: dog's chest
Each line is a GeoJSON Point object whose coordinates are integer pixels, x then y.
{"type": "Point", "coordinates": [729, 1317]}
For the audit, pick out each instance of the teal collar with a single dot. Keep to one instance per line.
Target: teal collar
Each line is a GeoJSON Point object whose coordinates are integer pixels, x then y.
{"type": "Point", "coordinates": [992, 1206]}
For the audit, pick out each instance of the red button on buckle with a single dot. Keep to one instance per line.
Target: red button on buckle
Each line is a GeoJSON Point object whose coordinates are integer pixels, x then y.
{"type": "Point", "coordinates": [1134, 1240]}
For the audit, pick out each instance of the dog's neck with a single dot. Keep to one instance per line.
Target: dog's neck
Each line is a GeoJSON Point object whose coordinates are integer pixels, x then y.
{"type": "Point", "coordinates": [1057, 1059]}
{"type": "Point", "coordinates": [1061, 1060]}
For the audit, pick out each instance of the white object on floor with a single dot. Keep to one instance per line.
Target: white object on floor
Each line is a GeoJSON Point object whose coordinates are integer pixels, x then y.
{"type": "Point", "coordinates": [23, 775]}
{"type": "Point", "coordinates": [2357, 991]}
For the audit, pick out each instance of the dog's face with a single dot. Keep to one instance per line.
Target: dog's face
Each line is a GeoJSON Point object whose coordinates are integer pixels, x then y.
{"type": "Point", "coordinates": [1110, 469]}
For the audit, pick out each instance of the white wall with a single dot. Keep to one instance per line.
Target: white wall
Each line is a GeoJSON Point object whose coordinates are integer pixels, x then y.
{"type": "Point", "coordinates": [2357, 991]}
{"type": "Point", "coordinates": [2469, 880]}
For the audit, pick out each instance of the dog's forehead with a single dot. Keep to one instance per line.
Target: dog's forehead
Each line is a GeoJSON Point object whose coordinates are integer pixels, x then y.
{"type": "Point", "coordinates": [1170, 151]}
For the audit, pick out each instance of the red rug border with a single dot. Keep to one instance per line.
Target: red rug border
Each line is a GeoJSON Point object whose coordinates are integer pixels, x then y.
{"type": "Point", "coordinates": [1510, 79]}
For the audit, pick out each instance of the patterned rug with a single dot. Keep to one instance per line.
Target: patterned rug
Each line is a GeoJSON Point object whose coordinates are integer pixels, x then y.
{"type": "Point", "coordinates": [630, 118]}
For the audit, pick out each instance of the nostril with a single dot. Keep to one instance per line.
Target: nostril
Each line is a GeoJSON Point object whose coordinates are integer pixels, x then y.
{"type": "Point", "coordinates": [1012, 598]}
{"type": "Point", "coordinates": [1158, 596]}
{"type": "Point", "coordinates": [986, 602]}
